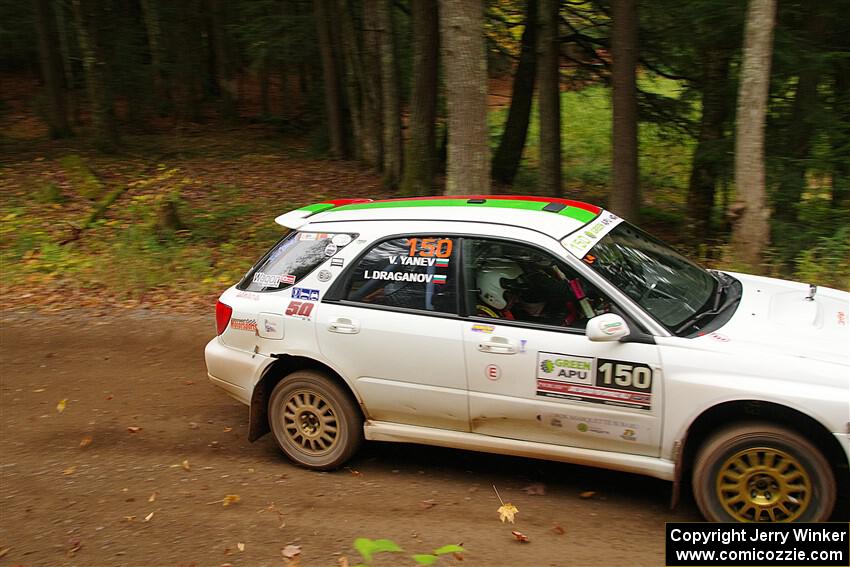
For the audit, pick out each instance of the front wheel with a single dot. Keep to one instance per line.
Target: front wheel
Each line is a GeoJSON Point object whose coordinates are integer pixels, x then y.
{"type": "Point", "coordinates": [315, 422]}
{"type": "Point", "coordinates": [759, 472]}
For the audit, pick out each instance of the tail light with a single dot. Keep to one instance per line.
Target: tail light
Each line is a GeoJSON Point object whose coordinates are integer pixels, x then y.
{"type": "Point", "coordinates": [222, 316]}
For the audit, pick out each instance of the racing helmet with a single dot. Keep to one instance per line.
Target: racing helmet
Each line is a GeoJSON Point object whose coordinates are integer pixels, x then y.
{"type": "Point", "coordinates": [494, 277]}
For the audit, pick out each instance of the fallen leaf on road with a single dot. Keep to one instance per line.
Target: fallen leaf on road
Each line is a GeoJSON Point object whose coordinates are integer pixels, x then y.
{"type": "Point", "coordinates": [63, 403]}
{"type": "Point", "coordinates": [230, 499]}
{"type": "Point", "coordinates": [134, 429]}
{"type": "Point", "coordinates": [558, 529]}
{"type": "Point", "coordinates": [75, 546]}
{"type": "Point", "coordinates": [507, 511]}
{"type": "Point", "coordinates": [109, 397]}
{"type": "Point", "coordinates": [240, 546]}
{"type": "Point", "coordinates": [536, 488]}
{"type": "Point", "coordinates": [129, 518]}
{"type": "Point", "coordinates": [587, 494]}
{"type": "Point", "coordinates": [193, 425]}
{"type": "Point", "coordinates": [353, 472]}
{"type": "Point", "coordinates": [185, 465]}
{"type": "Point", "coordinates": [4, 551]}
{"type": "Point", "coordinates": [148, 517]}
{"type": "Point", "coordinates": [342, 561]}
{"type": "Point", "coordinates": [152, 497]}
{"type": "Point", "coordinates": [228, 429]}
{"type": "Point", "coordinates": [37, 390]}
{"type": "Point", "coordinates": [430, 503]}
{"type": "Point", "coordinates": [521, 537]}
{"type": "Point", "coordinates": [189, 382]}
{"type": "Point", "coordinates": [85, 441]}
{"type": "Point", "coordinates": [69, 470]}
{"type": "Point", "coordinates": [291, 551]}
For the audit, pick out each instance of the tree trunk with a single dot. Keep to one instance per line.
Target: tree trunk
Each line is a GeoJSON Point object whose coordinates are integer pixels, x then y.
{"type": "Point", "coordinates": [353, 73]}
{"type": "Point", "coordinates": [421, 153]}
{"type": "Point", "coordinates": [465, 65]}
{"type": "Point", "coordinates": [71, 107]}
{"type": "Point", "coordinates": [150, 13]}
{"type": "Point", "coordinates": [751, 225]}
{"type": "Point", "coordinates": [708, 156]}
{"type": "Point", "coordinates": [94, 65]}
{"type": "Point", "coordinates": [549, 100]}
{"type": "Point", "coordinates": [51, 70]}
{"type": "Point", "coordinates": [625, 196]}
{"type": "Point", "coordinates": [509, 154]}
{"type": "Point", "coordinates": [373, 144]}
{"type": "Point", "coordinates": [840, 136]}
{"type": "Point", "coordinates": [801, 129]}
{"type": "Point", "coordinates": [226, 81]}
{"type": "Point", "coordinates": [391, 99]}
{"type": "Point", "coordinates": [333, 95]}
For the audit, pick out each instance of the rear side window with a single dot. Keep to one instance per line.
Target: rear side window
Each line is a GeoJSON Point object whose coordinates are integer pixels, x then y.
{"type": "Point", "coordinates": [291, 259]}
{"type": "Point", "coordinates": [413, 273]}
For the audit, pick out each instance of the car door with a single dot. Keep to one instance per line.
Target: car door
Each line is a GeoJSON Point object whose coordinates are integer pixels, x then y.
{"type": "Point", "coordinates": [533, 374]}
{"type": "Point", "coordinates": [390, 324]}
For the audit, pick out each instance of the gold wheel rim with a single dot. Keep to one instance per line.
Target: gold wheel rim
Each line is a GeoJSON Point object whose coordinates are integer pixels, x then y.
{"type": "Point", "coordinates": [310, 423]}
{"type": "Point", "coordinates": [763, 484]}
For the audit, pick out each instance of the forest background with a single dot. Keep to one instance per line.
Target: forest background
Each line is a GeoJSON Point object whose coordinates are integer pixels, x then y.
{"type": "Point", "coordinates": [147, 145]}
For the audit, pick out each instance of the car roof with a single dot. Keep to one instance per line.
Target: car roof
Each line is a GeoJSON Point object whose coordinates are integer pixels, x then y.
{"type": "Point", "coordinates": [552, 216]}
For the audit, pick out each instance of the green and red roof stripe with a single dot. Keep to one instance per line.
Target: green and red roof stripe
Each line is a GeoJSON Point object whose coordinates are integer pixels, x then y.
{"type": "Point", "coordinates": [577, 210]}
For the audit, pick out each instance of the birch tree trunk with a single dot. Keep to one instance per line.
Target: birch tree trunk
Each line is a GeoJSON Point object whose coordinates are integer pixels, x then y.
{"type": "Point", "coordinates": [751, 222]}
{"type": "Point", "coordinates": [465, 66]}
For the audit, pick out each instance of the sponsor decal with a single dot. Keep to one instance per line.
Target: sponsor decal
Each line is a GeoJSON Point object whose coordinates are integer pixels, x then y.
{"type": "Point", "coordinates": [300, 309]}
{"type": "Point", "coordinates": [287, 279]}
{"type": "Point", "coordinates": [603, 381]}
{"type": "Point", "coordinates": [572, 369]}
{"type": "Point", "coordinates": [244, 324]}
{"type": "Point", "coordinates": [341, 239]}
{"type": "Point", "coordinates": [307, 236]}
{"type": "Point", "coordinates": [305, 294]}
{"type": "Point", "coordinates": [337, 262]}
{"type": "Point", "coordinates": [398, 276]}
{"type": "Point", "coordinates": [493, 372]}
{"type": "Point", "coordinates": [595, 426]}
{"type": "Point", "coordinates": [324, 276]}
{"type": "Point", "coordinates": [330, 249]}
{"type": "Point", "coordinates": [522, 343]}
{"type": "Point", "coordinates": [611, 328]}
{"type": "Point", "coordinates": [430, 247]}
{"type": "Point", "coordinates": [481, 328]}
{"type": "Point", "coordinates": [581, 241]}
{"type": "Point", "coordinates": [842, 318]}
{"type": "Point", "coordinates": [248, 295]}
{"type": "Point", "coordinates": [719, 337]}
{"type": "Point", "coordinates": [266, 280]}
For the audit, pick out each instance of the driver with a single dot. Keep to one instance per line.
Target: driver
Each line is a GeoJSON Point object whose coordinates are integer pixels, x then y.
{"type": "Point", "coordinates": [506, 291]}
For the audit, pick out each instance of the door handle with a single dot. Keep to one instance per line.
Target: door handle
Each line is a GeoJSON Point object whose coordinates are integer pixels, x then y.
{"type": "Point", "coordinates": [344, 326]}
{"type": "Point", "coordinates": [498, 345]}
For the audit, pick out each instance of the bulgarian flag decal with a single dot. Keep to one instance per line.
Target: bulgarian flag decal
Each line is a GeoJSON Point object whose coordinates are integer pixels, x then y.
{"type": "Point", "coordinates": [439, 279]}
{"type": "Point", "coordinates": [442, 263]}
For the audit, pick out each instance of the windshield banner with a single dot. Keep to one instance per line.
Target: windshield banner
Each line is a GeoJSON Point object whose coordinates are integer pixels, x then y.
{"type": "Point", "coordinates": [581, 241]}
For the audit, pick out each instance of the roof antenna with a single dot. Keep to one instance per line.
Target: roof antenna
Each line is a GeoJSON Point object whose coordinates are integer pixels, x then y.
{"type": "Point", "coordinates": [813, 289]}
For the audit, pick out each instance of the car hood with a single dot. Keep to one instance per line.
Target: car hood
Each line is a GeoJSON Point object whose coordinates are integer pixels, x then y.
{"type": "Point", "coordinates": [775, 316]}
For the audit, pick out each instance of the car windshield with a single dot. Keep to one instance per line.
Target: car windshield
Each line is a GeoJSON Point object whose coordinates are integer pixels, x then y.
{"type": "Point", "coordinates": [667, 285]}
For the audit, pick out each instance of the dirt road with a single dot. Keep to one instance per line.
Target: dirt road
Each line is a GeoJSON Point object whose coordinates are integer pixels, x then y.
{"type": "Point", "coordinates": [137, 467]}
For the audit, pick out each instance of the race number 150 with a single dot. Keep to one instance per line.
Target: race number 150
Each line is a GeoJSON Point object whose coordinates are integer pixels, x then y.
{"type": "Point", "coordinates": [429, 247]}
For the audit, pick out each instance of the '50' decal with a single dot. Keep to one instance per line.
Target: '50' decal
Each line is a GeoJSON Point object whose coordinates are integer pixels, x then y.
{"type": "Point", "coordinates": [430, 247]}
{"type": "Point", "coordinates": [299, 309]}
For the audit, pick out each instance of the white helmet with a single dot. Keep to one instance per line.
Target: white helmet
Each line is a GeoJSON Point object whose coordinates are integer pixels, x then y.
{"type": "Point", "coordinates": [491, 281]}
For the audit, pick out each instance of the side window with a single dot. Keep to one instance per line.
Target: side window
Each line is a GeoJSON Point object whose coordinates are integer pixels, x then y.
{"type": "Point", "coordinates": [515, 282]}
{"type": "Point", "coordinates": [414, 273]}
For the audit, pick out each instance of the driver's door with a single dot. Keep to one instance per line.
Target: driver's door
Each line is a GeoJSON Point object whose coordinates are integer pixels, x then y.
{"type": "Point", "coordinates": [549, 383]}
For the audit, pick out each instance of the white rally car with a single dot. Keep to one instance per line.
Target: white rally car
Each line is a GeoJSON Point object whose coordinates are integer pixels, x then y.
{"type": "Point", "coordinates": [544, 328]}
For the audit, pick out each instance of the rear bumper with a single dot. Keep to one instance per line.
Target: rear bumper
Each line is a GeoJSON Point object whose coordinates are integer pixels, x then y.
{"type": "Point", "coordinates": [234, 371]}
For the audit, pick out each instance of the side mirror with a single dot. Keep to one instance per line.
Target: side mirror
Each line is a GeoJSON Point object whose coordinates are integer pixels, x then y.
{"type": "Point", "coordinates": [606, 328]}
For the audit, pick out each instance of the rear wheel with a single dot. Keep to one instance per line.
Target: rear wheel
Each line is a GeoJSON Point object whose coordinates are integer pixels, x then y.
{"type": "Point", "coordinates": [759, 472]}
{"type": "Point", "coordinates": [314, 421]}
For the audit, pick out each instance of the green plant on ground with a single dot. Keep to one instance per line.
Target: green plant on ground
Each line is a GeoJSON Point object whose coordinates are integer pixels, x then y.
{"type": "Point", "coordinates": [81, 176]}
{"type": "Point", "coordinates": [368, 548]}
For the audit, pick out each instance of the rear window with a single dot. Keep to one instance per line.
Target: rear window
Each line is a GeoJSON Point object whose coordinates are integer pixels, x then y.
{"type": "Point", "coordinates": [292, 259]}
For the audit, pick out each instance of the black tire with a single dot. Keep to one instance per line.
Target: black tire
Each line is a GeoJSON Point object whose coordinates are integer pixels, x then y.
{"type": "Point", "coordinates": [315, 421]}
{"type": "Point", "coordinates": [760, 472]}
